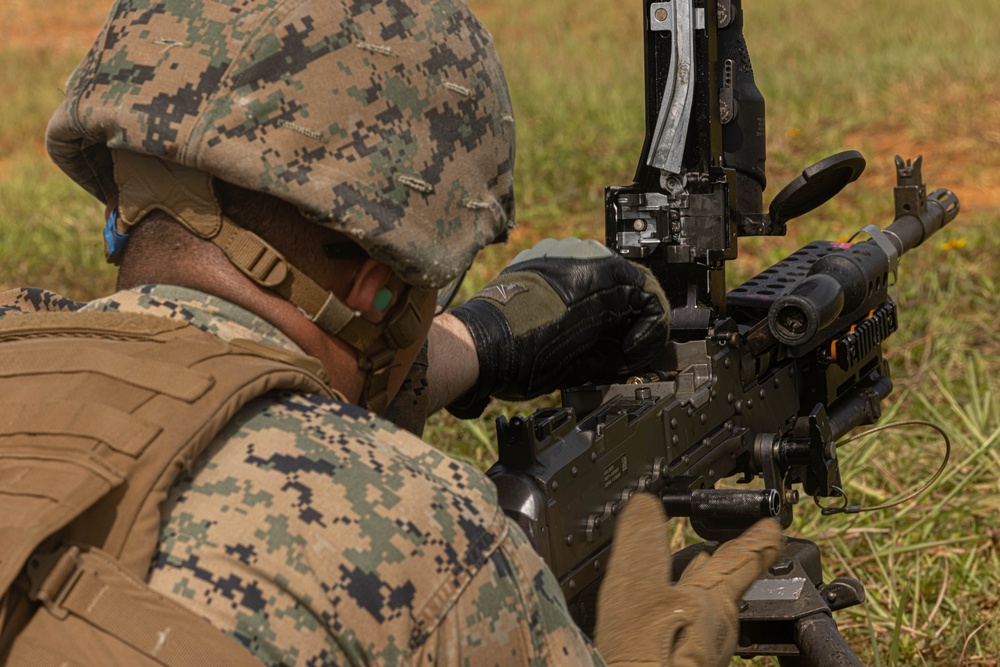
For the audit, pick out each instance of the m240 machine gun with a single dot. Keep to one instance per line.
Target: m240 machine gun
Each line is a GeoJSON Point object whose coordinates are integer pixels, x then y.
{"type": "Point", "coordinates": [760, 382]}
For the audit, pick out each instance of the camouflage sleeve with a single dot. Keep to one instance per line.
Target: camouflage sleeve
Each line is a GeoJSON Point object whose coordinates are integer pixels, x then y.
{"type": "Point", "coordinates": [315, 533]}
{"type": "Point", "coordinates": [32, 300]}
{"type": "Point", "coordinates": [512, 613]}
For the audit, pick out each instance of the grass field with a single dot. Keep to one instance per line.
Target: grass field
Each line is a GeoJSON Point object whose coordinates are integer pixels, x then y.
{"type": "Point", "coordinates": [881, 77]}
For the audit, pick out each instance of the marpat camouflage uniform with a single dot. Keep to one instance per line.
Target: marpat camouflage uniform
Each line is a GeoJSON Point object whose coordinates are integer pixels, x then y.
{"type": "Point", "coordinates": [33, 300]}
{"type": "Point", "coordinates": [316, 533]}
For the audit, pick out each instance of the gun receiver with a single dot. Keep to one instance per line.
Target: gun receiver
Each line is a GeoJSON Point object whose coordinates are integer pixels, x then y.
{"type": "Point", "coordinates": [759, 382]}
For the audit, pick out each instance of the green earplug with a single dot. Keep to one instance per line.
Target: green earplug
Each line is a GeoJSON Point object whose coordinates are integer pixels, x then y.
{"type": "Point", "coordinates": [383, 298]}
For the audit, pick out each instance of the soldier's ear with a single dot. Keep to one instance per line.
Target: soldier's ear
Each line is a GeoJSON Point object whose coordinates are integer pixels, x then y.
{"type": "Point", "coordinates": [369, 292]}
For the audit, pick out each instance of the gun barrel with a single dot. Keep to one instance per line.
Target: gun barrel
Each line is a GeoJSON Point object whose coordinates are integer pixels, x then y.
{"type": "Point", "coordinates": [910, 230]}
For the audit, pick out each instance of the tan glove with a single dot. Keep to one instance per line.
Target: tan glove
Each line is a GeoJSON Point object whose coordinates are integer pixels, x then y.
{"type": "Point", "coordinates": [643, 620]}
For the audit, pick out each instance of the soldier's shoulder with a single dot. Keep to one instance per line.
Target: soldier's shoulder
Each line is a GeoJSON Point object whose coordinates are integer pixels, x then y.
{"type": "Point", "coordinates": [379, 531]}
{"type": "Point", "coordinates": [21, 300]}
{"type": "Point", "coordinates": [355, 436]}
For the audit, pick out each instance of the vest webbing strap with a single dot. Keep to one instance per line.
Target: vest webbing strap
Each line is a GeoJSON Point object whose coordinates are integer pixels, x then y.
{"type": "Point", "coordinates": [40, 656]}
{"type": "Point", "coordinates": [180, 383]}
{"type": "Point", "coordinates": [119, 430]}
{"type": "Point", "coordinates": [93, 587]}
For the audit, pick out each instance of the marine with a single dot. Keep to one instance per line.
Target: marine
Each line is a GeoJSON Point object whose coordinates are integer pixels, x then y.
{"type": "Point", "coordinates": [220, 462]}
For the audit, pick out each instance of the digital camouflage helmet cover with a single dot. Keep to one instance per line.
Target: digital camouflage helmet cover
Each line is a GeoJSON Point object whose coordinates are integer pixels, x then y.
{"type": "Point", "coordinates": [389, 122]}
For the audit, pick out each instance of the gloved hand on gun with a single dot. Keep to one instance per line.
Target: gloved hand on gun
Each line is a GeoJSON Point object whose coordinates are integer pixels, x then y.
{"type": "Point", "coordinates": [561, 314]}
{"type": "Point", "coordinates": [643, 620]}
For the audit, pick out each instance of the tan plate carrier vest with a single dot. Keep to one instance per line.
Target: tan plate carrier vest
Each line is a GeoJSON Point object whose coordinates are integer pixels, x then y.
{"type": "Point", "coordinates": [99, 414]}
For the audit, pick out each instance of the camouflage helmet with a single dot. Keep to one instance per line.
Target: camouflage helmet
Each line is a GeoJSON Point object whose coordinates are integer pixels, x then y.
{"type": "Point", "coordinates": [389, 122]}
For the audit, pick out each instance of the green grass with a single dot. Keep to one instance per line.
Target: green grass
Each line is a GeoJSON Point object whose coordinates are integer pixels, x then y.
{"type": "Point", "coordinates": [50, 229]}
{"type": "Point", "coordinates": [881, 77]}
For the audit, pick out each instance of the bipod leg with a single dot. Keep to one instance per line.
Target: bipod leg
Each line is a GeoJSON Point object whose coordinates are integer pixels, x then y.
{"type": "Point", "coordinates": [787, 613]}
{"type": "Point", "coordinates": [821, 643]}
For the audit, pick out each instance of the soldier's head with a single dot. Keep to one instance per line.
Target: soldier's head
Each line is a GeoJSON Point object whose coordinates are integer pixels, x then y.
{"type": "Point", "coordinates": [382, 129]}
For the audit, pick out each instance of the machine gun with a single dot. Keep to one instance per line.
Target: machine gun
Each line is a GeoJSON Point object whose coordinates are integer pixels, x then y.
{"type": "Point", "coordinates": [760, 382]}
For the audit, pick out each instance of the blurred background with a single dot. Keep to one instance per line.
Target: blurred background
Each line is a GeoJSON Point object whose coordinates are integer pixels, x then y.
{"type": "Point", "coordinates": [884, 78]}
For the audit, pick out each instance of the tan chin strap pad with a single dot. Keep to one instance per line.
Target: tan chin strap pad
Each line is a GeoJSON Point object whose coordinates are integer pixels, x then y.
{"type": "Point", "coordinates": [146, 183]}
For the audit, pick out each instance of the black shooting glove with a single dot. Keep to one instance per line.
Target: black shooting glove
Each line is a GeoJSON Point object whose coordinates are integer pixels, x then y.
{"type": "Point", "coordinates": [561, 314]}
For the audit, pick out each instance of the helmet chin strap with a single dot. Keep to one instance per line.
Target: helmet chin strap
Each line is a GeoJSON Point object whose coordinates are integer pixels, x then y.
{"type": "Point", "coordinates": [146, 183]}
{"type": "Point", "coordinates": [400, 328]}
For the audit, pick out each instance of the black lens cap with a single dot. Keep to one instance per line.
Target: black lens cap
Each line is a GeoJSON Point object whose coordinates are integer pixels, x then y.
{"type": "Point", "coordinates": [817, 185]}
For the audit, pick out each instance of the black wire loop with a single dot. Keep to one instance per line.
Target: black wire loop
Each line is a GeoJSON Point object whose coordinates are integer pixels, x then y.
{"type": "Point", "coordinates": [846, 508]}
